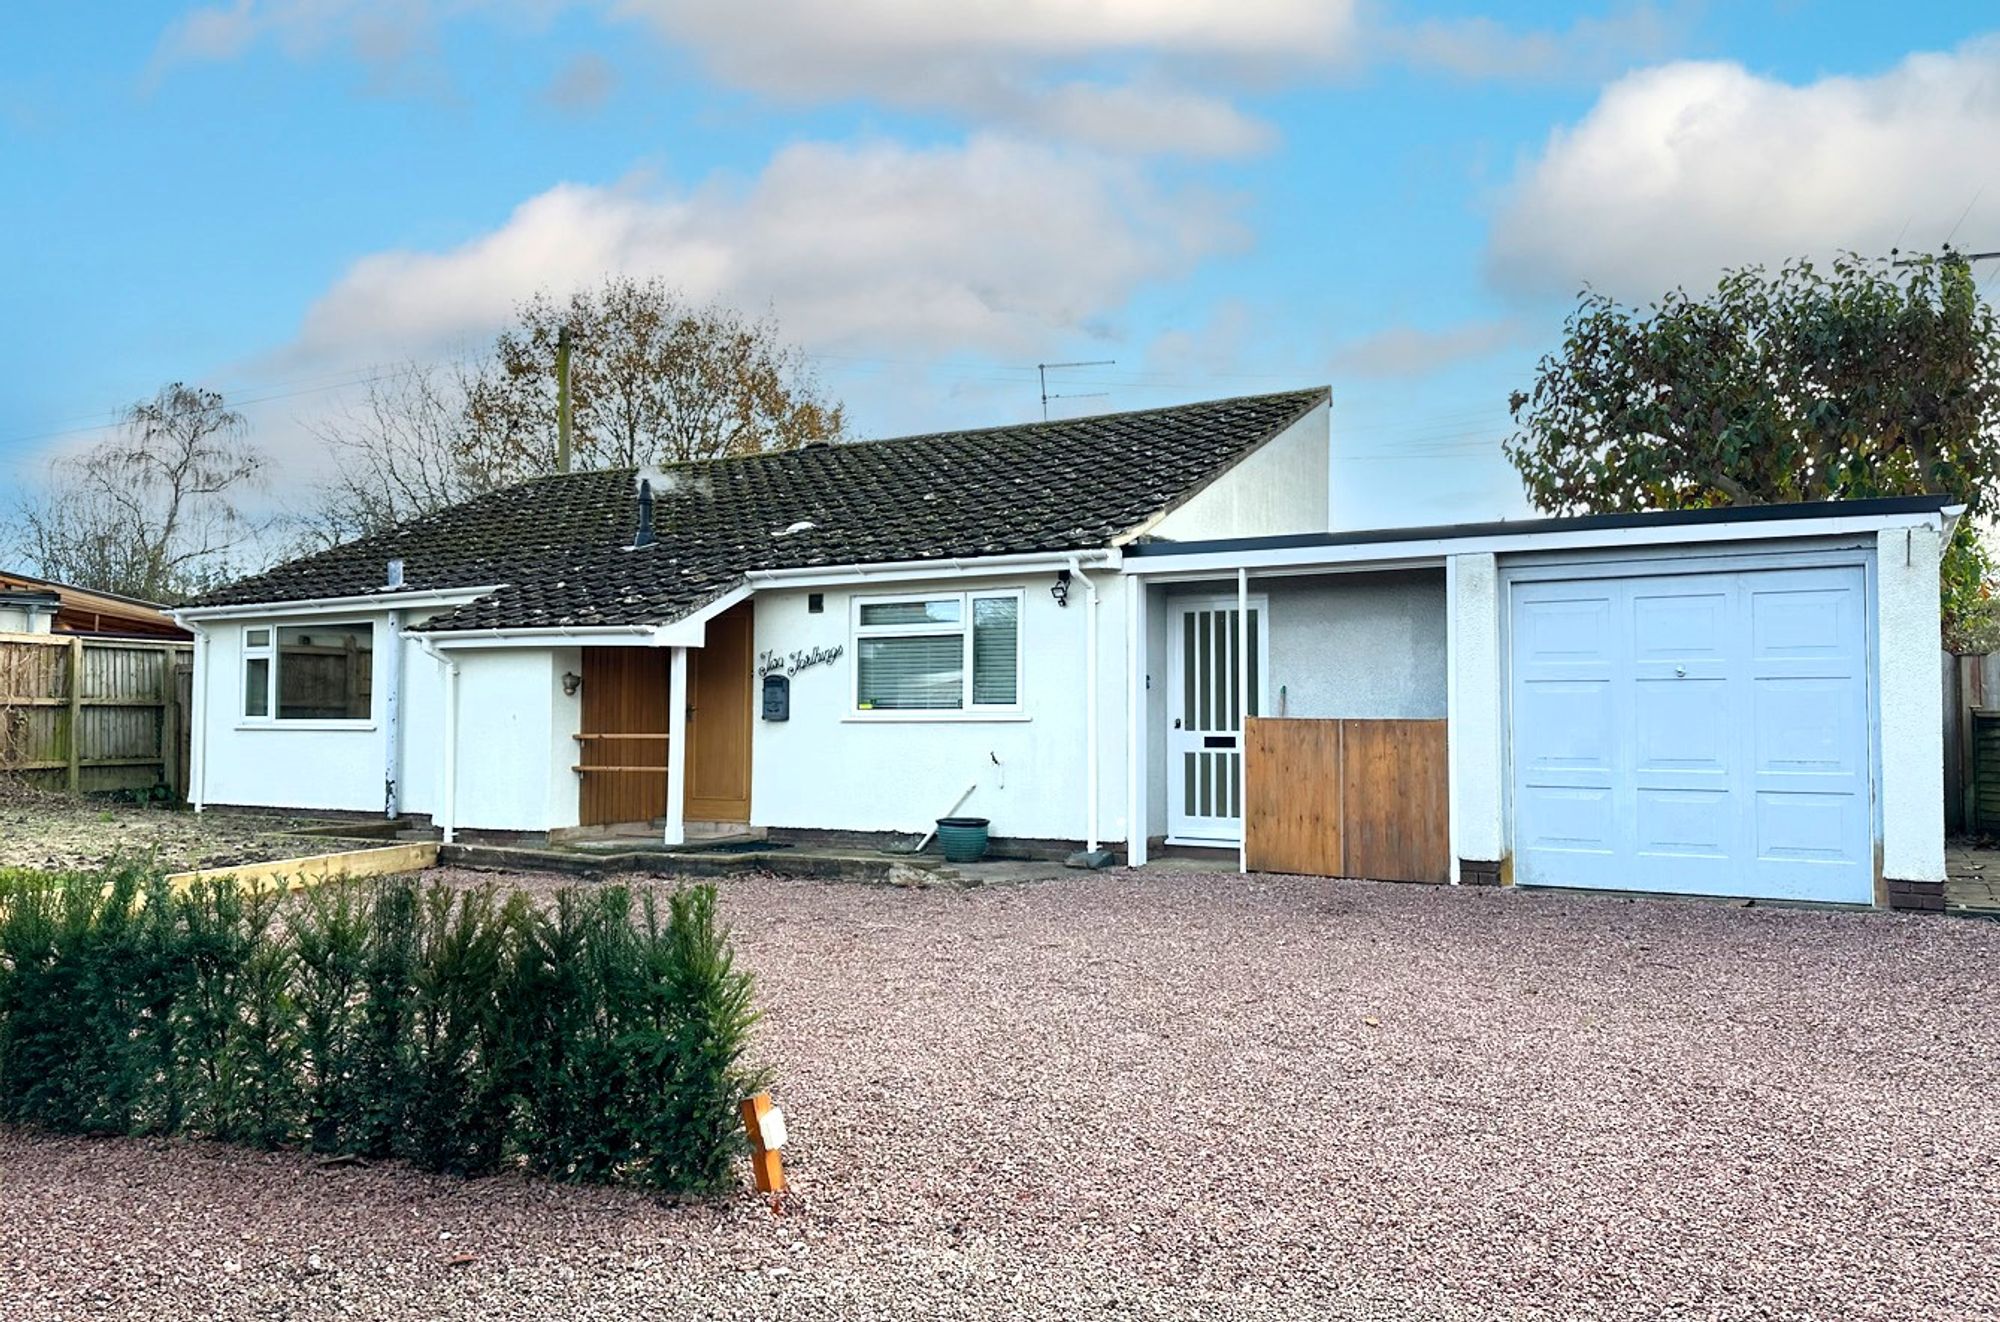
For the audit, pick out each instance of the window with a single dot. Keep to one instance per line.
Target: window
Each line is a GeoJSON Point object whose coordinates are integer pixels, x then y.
{"type": "Point", "coordinates": [309, 672]}
{"type": "Point", "coordinates": [957, 651]}
{"type": "Point", "coordinates": [257, 672]}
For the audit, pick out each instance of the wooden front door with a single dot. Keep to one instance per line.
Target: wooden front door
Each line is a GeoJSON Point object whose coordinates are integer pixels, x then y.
{"type": "Point", "coordinates": [721, 697]}
{"type": "Point", "coordinates": [623, 756]}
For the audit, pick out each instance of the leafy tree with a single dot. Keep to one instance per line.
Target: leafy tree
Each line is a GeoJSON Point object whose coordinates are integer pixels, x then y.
{"type": "Point", "coordinates": [154, 510]}
{"type": "Point", "coordinates": [654, 379]}
{"type": "Point", "coordinates": [1869, 378]}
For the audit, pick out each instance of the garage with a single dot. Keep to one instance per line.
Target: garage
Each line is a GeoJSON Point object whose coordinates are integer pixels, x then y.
{"type": "Point", "coordinates": [1697, 732]}
{"type": "Point", "coordinates": [1730, 702]}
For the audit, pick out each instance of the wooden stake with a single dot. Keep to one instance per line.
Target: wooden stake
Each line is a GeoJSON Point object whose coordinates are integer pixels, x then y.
{"type": "Point", "coordinates": [767, 1165]}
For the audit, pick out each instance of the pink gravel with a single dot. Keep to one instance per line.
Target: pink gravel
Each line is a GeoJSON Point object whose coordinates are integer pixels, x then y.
{"type": "Point", "coordinates": [1188, 1096]}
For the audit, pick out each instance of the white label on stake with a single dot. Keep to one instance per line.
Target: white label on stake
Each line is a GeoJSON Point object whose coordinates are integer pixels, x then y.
{"type": "Point", "coordinates": [771, 1128]}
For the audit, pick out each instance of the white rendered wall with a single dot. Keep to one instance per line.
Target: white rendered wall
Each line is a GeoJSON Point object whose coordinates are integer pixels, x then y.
{"type": "Point", "coordinates": [828, 768]}
{"type": "Point", "coordinates": [1364, 646]}
{"type": "Point", "coordinates": [279, 765]}
{"type": "Point", "coordinates": [1912, 699]}
{"type": "Point", "coordinates": [1282, 488]}
{"type": "Point", "coordinates": [1478, 710]}
{"type": "Point", "coordinates": [515, 748]}
{"type": "Point", "coordinates": [423, 728]}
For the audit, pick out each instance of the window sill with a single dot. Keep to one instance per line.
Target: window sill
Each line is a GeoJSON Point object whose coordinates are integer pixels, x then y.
{"type": "Point", "coordinates": [933, 717]}
{"type": "Point", "coordinates": [356, 726]}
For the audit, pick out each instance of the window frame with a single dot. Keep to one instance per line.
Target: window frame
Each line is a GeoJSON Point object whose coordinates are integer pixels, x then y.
{"type": "Point", "coordinates": [269, 653]}
{"type": "Point", "coordinates": [968, 709]}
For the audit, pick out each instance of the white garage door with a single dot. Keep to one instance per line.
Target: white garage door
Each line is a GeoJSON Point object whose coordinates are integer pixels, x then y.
{"type": "Point", "coordinates": [1702, 734]}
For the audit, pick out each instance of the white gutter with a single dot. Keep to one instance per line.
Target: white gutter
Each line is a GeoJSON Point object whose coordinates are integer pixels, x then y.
{"type": "Point", "coordinates": [614, 634]}
{"type": "Point", "coordinates": [890, 571]}
{"type": "Point", "coordinates": [1433, 550]}
{"type": "Point", "coordinates": [327, 605]}
{"type": "Point", "coordinates": [448, 787]}
{"type": "Point", "coordinates": [1089, 697]}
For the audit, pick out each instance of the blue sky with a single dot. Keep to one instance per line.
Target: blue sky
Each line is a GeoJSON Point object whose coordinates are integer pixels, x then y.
{"type": "Point", "coordinates": [282, 198]}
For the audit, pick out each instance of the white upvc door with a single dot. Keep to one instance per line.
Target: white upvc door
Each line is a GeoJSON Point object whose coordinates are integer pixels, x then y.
{"type": "Point", "coordinates": [1204, 728]}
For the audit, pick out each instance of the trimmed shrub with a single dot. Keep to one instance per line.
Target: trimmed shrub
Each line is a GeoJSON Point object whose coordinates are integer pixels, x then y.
{"type": "Point", "coordinates": [592, 1040]}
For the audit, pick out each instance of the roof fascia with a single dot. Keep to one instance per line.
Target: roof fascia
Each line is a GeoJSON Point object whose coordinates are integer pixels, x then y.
{"type": "Point", "coordinates": [899, 571]}
{"type": "Point", "coordinates": [387, 601]}
{"type": "Point", "coordinates": [1437, 548]}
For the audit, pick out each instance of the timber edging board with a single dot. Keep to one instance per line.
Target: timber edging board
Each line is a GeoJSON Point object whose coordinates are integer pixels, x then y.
{"type": "Point", "coordinates": [313, 869]}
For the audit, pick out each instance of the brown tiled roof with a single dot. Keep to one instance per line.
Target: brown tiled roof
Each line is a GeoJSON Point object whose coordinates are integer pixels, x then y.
{"type": "Point", "coordinates": [560, 548]}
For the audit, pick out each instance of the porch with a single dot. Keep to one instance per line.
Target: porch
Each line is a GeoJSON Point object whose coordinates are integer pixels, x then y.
{"type": "Point", "coordinates": [637, 779]}
{"type": "Point", "coordinates": [1295, 720]}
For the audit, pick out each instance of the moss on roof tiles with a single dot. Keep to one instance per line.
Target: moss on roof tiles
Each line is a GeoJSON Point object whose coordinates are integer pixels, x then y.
{"type": "Point", "coordinates": [559, 547]}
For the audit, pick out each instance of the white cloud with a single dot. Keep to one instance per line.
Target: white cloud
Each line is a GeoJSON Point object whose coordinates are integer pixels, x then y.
{"type": "Point", "coordinates": [1410, 351]}
{"type": "Point", "coordinates": [1680, 172]}
{"type": "Point", "coordinates": [1116, 74]}
{"type": "Point", "coordinates": [1150, 77]}
{"type": "Point", "coordinates": [582, 85]}
{"type": "Point", "coordinates": [1485, 49]}
{"type": "Point", "coordinates": [1119, 74]}
{"type": "Point", "coordinates": [996, 245]}
{"type": "Point", "coordinates": [784, 43]}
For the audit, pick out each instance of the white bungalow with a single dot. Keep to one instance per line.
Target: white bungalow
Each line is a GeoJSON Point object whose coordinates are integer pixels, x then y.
{"type": "Point", "coordinates": [1088, 632]}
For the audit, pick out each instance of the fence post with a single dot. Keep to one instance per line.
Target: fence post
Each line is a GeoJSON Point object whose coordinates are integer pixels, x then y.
{"type": "Point", "coordinates": [75, 713]}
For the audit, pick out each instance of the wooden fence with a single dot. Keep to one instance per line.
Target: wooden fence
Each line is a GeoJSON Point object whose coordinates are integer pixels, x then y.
{"type": "Point", "coordinates": [1347, 798]}
{"type": "Point", "coordinates": [1971, 768]}
{"type": "Point", "coordinates": [94, 714]}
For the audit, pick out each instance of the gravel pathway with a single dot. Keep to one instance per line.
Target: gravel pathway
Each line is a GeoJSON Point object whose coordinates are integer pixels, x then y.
{"type": "Point", "coordinates": [1189, 1096]}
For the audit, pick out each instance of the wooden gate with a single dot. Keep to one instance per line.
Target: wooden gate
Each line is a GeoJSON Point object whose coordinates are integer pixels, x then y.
{"type": "Point", "coordinates": [624, 735]}
{"type": "Point", "coordinates": [1347, 798]}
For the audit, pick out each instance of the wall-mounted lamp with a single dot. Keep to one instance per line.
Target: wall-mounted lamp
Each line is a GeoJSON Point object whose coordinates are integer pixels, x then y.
{"type": "Point", "coordinates": [571, 683]}
{"type": "Point", "coordinates": [1061, 589]}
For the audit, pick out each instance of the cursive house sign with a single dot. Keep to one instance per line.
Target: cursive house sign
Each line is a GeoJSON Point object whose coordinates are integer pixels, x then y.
{"type": "Point", "coordinates": [791, 663]}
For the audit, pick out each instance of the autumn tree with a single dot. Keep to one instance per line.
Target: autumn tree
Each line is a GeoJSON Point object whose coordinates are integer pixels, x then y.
{"type": "Point", "coordinates": [1865, 378]}
{"type": "Point", "coordinates": [654, 379]}
{"type": "Point", "coordinates": [154, 510]}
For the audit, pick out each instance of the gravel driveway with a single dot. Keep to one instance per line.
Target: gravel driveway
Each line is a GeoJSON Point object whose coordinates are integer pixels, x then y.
{"type": "Point", "coordinates": [1190, 1096]}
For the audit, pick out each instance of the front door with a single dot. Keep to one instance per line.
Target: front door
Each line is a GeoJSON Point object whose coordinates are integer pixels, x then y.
{"type": "Point", "coordinates": [624, 736]}
{"type": "Point", "coordinates": [721, 691]}
{"type": "Point", "coordinates": [1204, 725]}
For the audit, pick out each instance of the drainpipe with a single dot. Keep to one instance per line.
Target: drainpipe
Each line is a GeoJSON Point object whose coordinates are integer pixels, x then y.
{"type": "Point", "coordinates": [392, 715]}
{"type": "Point", "coordinates": [448, 788]}
{"type": "Point", "coordinates": [198, 716]}
{"type": "Point", "coordinates": [1089, 696]}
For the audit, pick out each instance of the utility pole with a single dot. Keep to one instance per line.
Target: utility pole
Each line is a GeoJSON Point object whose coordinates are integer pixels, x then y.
{"type": "Point", "coordinates": [1043, 370]}
{"type": "Point", "coordinates": [562, 400]}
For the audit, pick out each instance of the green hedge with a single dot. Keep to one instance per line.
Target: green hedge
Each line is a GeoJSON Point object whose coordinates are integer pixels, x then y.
{"type": "Point", "coordinates": [594, 1038]}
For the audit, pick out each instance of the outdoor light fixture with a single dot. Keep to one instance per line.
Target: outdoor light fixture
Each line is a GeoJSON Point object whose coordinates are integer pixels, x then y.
{"type": "Point", "coordinates": [571, 683]}
{"type": "Point", "coordinates": [1061, 589]}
